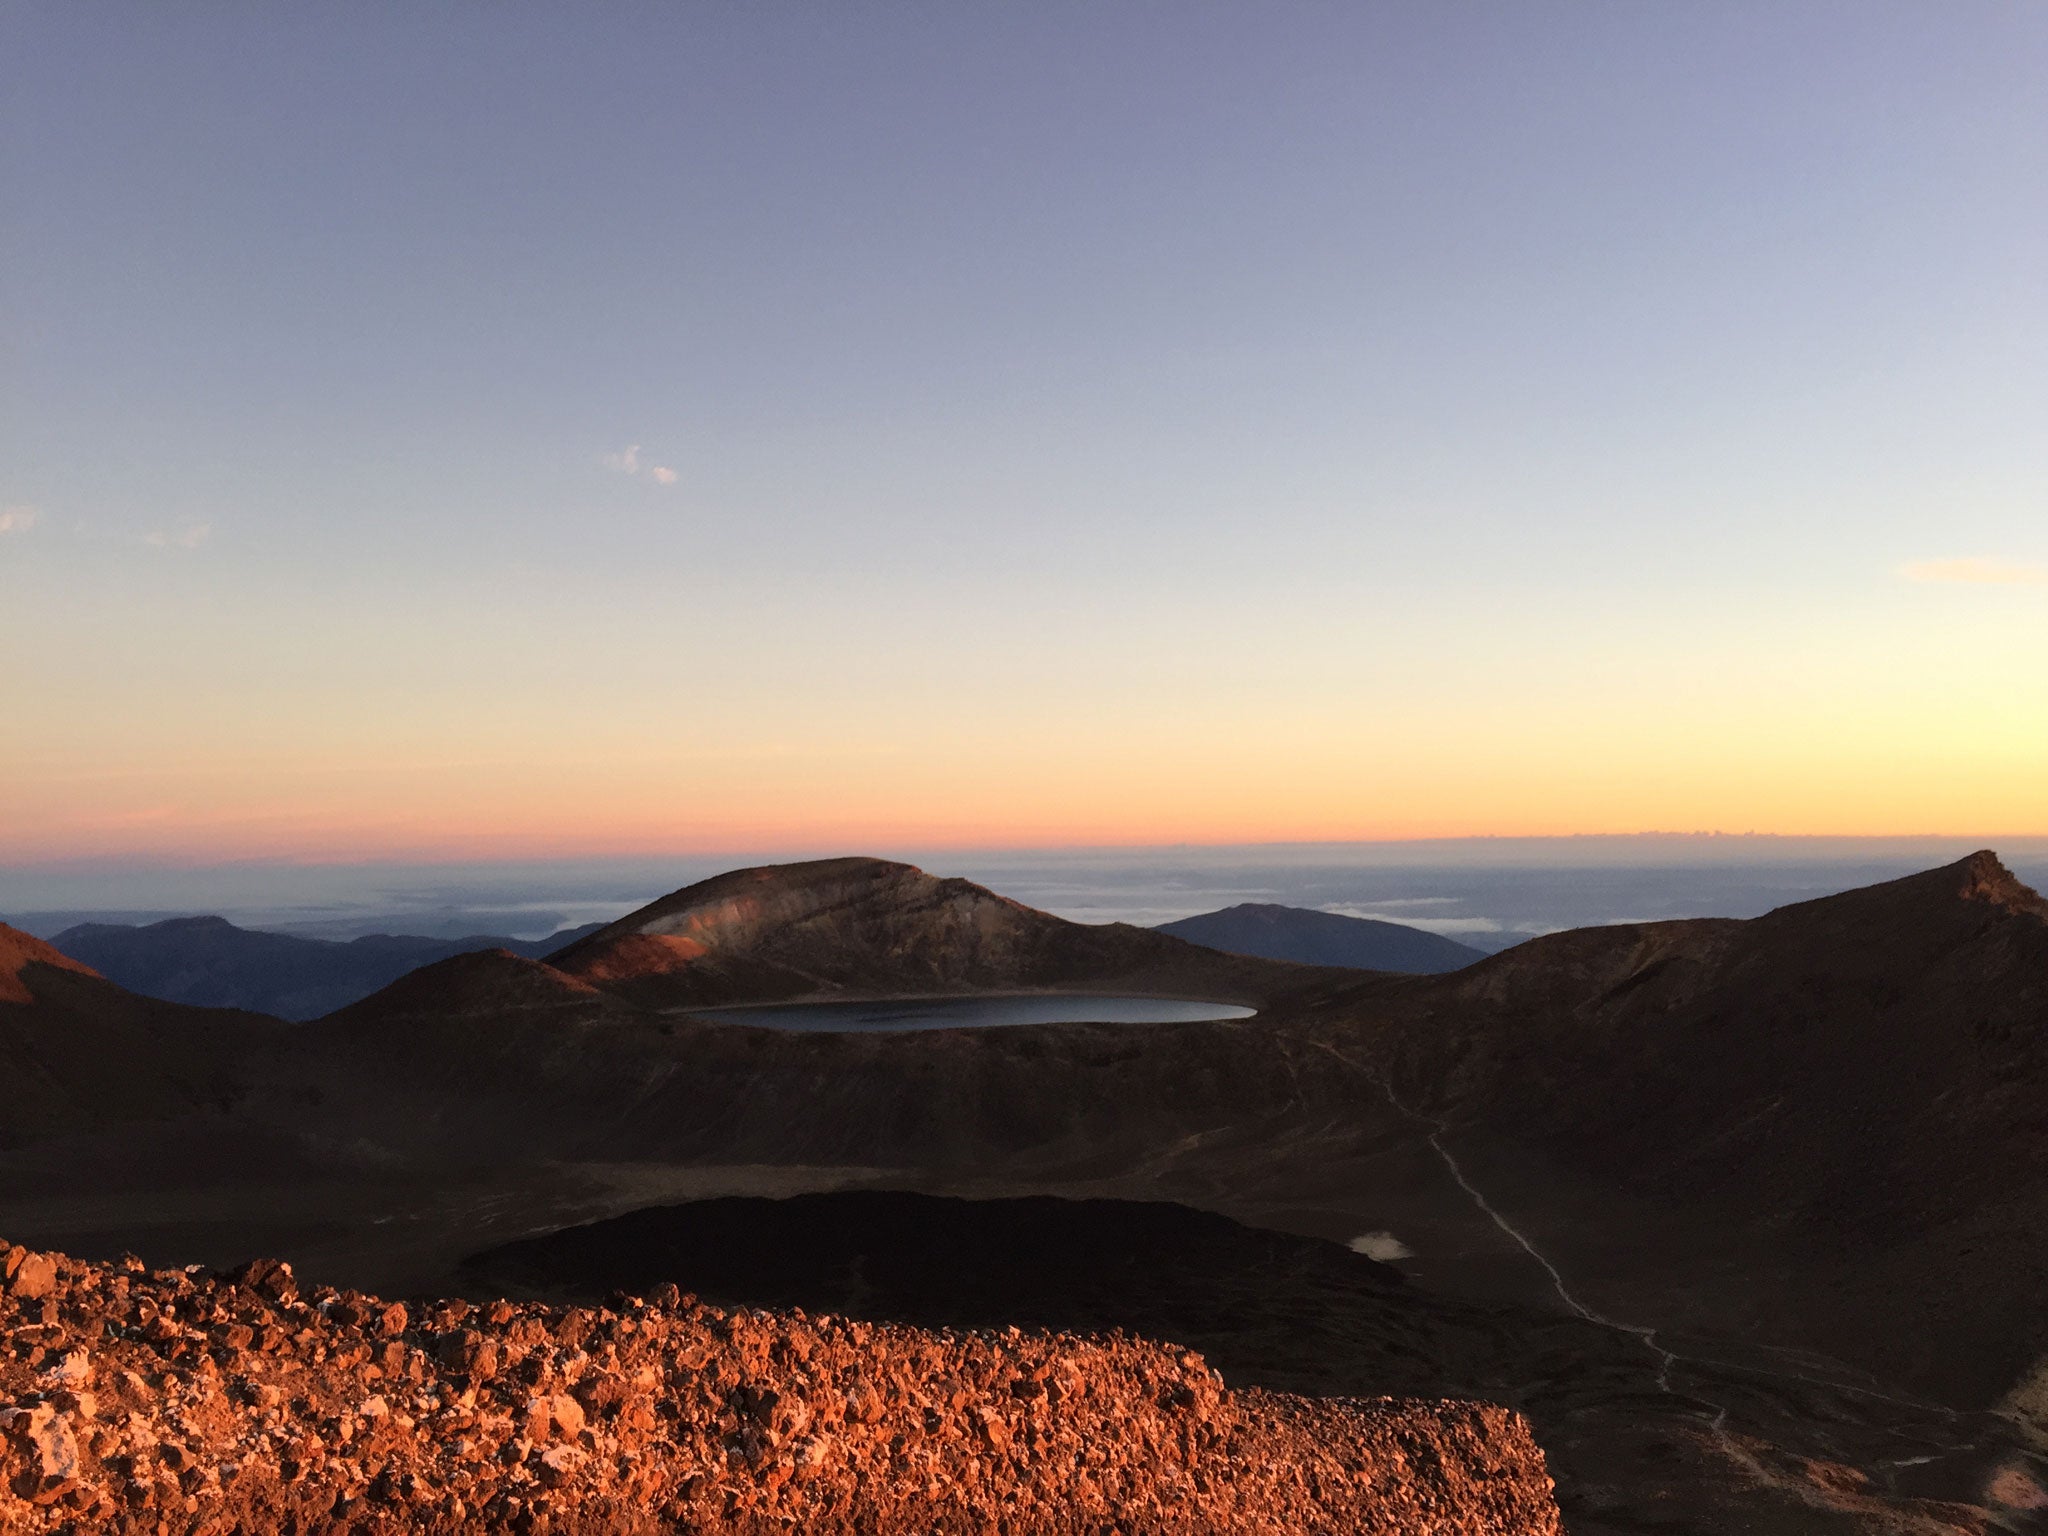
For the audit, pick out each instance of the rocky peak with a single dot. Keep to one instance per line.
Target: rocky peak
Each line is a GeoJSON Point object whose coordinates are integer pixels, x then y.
{"type": "Point", "coordinates": [1984, 877]}
{"type": "Point", "coordinates": [856, 927]}
{"type": "Point", "coordinates": [852, 922]}
{"type": "Point", "coordinates": [1917, 906]}
{"type": "Point", "coordinates": [742, 907]}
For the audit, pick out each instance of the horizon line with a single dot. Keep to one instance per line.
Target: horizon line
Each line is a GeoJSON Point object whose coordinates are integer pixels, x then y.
{"type": "Point", "coordinates": [798, 853]}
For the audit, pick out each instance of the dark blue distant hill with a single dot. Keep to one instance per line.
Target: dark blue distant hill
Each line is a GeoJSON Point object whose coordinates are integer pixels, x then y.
{"type": "Point", "coordinates": [1323, 938]}
{"type": "Point", "coordinates": [210, 962]}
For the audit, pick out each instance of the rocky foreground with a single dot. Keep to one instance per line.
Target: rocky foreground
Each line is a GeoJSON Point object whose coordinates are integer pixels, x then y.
{"type": "Point", "coordinates": [134, 1400]}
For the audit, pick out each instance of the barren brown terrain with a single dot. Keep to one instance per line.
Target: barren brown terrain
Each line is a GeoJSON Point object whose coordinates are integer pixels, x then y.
{"type": "Point", "coordinates": [1749, 1218]}
{"type": "Point", "coordinates": [146, 1401]}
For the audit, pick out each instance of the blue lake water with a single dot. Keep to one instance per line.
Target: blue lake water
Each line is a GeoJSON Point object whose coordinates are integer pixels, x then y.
{"type": "Point", "coordinates": [972, 1013]}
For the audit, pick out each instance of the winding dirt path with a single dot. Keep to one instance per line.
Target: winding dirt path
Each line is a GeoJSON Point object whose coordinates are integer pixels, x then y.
{"type": "Point", "coordinates": [1712, 1413]}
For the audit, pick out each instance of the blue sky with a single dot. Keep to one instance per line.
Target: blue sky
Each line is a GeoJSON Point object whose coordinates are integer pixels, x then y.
{"type": "Point", "coordinates": [817, 410]}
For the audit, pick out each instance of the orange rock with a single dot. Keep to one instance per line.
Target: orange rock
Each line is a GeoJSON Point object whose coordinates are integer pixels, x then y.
{"type": "Point", "coordinates": [681, 1415]}
{"type": "Point", "coordinates": [30, 1276]}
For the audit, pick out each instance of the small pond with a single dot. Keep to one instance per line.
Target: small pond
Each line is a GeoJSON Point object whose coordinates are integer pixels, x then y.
{"type": "Point", "coordinates": [972, 1013]}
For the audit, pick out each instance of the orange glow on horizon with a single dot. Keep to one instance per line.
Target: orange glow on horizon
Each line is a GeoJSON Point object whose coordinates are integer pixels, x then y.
{"type": "Point", "coordinates": [1912, 735]}
{"type": "Point", "coordinates": [440, 823]}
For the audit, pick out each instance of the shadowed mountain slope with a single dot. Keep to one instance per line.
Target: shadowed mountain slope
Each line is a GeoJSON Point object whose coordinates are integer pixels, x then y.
{"type": "Point", "coordinates": [1849, 1088]}
{"type": "Point", "coordinates": [489, 982]}
{"type": "Point", "coordinates": [1834, 1107]}
{"type": "Point", "coordinates": [1845, 1102]}
{"type": "Point", "coordinates": [210, 963]}
{"type": "Point", "coordinates": [1292, 1313]}
{"type": "Point", "coordinates": [1322, 938]}
{"type": "Point", "coordinates": [79, 1054]}
{"type": "Point", "coordinates": [853, 927]}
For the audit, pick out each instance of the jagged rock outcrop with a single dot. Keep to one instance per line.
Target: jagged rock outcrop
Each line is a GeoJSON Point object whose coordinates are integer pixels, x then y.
{"type": "Point", "coordinates": [176, 1401]}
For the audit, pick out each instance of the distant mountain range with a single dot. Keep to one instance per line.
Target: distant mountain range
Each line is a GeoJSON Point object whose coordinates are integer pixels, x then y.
{"type": "Point", "coordinates": [1301, 934]}
{"type": "Point", "coordinates": [211, 963]}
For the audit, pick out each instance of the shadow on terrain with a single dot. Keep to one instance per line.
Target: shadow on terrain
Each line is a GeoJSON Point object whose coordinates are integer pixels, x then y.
{"type": "Point", "coordinates": [1633, 1448]}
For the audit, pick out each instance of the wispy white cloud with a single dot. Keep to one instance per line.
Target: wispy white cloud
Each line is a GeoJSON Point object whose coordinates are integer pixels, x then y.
{"type": "Point", "coordinates": [18, 519]}
{"type": "Point", "coordinates": [628, 462]}
{"type": "Point", "coordinates": [190, 536]}
{"type": "Point", "coordinates": [1975, 572]}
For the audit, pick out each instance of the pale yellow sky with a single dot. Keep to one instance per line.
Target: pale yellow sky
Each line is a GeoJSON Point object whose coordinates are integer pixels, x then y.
{"type": "Point", "coordinates": [1929, 714]}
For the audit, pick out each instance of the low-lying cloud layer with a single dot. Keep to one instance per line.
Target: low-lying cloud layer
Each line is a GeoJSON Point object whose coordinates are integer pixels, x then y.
{"type": "Point", "coordinates": [1379, 912]}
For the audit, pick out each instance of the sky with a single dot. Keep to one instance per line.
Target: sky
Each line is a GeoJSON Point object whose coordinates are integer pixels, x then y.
{"type": "Point", "coordinates": [462, 432]}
